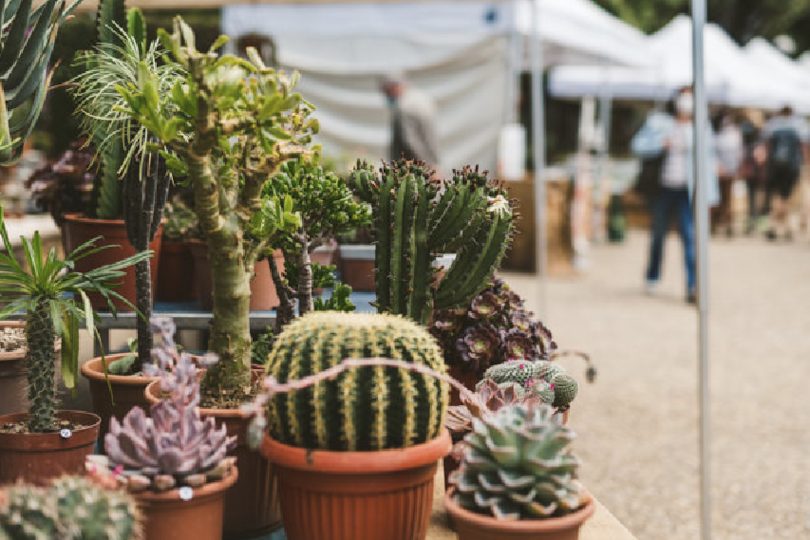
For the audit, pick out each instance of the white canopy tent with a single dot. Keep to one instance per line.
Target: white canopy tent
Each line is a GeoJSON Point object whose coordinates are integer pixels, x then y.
{"type": "Point", "coordinates": [789, 77]}
{"type": "Point", "coordinates": [731, 78]}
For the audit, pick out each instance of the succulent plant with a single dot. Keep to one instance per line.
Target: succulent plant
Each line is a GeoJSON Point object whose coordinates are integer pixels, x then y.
{"type": "Point", "coordinates": [494, 328]}
{"type": "Point", "coordinates": [366, 408]}
{"type": "Point", "coordinates": [517, 464]}
{"type": "Point", "coordinates": [488, 397]}
{"type": "Point", "coordinates": [71, 508]}
{"type": "Point", "coordinates": [181, 221]}
{"type": "Point", "coordinates": [173, 445]}
{"type": "Point", "coordinates": [416, 217]}
{"type": "Point", "coordinates": [542, 378]}
{"type": "Point", "coordinates": [66, 185]}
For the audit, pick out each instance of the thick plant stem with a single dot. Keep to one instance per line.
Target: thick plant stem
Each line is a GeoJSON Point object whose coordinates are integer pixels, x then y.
{"type": "Point", "coordinates": [143, 290]}
{"type": "Point", "coordinates": [305, 302]}
{"type": "Point", "coordinates": [285, 312]}
{"type": "Point", "coordinates": [41, 363]}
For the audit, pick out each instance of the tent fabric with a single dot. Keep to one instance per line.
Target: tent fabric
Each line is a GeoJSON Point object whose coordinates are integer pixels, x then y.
{"type": "Point", "coordinates": [731, 78]}
{"type": "Point", "coordinates": [785, 76]}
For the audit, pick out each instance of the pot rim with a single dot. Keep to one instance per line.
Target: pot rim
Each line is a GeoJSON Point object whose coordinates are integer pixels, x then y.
{"type": "Point", "coordinates": [489, 523]}
{"type": "Point", "coordinates": [92, 371]}
{"type": "Point", "coordinates": [79, 217]}
{"type": "Point", "coordinates": [92, 423]}
{"type": "Point", "coordinates": [370, 462]}
{"type": "Point", "coordinates": [357, 252]}
{"type": "Point", "coordinates": [207, 491]}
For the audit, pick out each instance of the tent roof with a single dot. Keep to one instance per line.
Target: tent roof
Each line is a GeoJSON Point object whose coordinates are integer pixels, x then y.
{"type": "Point", "coordinates": [91, 5]}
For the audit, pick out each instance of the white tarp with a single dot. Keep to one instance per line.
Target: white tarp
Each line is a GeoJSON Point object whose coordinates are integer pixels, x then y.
{"type": "Point", "coordinates": [730, 76]}
{"type": "Point", "coordinates": [786, 77]}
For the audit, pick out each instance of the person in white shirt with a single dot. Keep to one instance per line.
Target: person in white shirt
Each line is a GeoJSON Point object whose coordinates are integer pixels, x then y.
{"type": "Point", "coordinates": [730, 149]}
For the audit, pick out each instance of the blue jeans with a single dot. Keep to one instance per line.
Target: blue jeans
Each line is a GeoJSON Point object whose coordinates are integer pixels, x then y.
{"type": "Point", "coordinates": [667, 202]}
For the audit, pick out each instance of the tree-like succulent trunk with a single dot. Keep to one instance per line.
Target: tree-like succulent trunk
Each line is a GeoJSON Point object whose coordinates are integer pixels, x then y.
{"type": "Point", "coordinates": [305, 302]}
{"type": "Point", "coordinates": [41, 363]}
{"type": "Point", "coordinates": [285, 312]}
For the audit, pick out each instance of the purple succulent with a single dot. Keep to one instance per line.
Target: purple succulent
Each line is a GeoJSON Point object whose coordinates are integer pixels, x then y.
{"type": "Point", "coordinates": [485, 306]}
{"type": "Point", "coordinates": [478, 344]}
{"type": "Point", "coordinates": [518, 346]}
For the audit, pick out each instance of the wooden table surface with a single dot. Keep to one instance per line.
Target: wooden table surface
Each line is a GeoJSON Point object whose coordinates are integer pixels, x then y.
{"type": "Point", "coordinates": [601, 526]}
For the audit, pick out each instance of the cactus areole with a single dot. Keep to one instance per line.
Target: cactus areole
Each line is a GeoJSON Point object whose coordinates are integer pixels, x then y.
{"type": "Point", "coordinates": [229, 126]}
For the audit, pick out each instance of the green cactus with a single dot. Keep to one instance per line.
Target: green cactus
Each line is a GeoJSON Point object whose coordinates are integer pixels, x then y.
{"type": "Point", "coordinates": [364, 409]}
{"type": "Point", "coordinates": [26, 44]}
{"type": "Point", "coordinates": [417, 217]}
{"type": "Point", "coordinates": [72, 508]}
{"type": "Point", "coordinates": [517, 465]}
{"type": "Point", "coordinates": [549, 381]}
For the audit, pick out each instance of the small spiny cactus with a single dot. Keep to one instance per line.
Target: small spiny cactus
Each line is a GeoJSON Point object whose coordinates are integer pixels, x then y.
{"type": "Point", "coordinates": [363, 409]}
{"type": "Point", "coordinates": [547, 380]}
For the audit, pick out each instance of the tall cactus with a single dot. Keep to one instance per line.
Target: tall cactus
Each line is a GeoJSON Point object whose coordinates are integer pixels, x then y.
{"type": "Point", "coordinates": [364, 409]}
{"type": "Point", "coordinates": [416, 218]}
{"type": "Point", "coordinates": [26, 43]}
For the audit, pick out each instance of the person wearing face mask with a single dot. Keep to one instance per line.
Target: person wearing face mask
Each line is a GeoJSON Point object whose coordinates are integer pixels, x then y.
{"type": "Point", "coordinates": [673, 140]}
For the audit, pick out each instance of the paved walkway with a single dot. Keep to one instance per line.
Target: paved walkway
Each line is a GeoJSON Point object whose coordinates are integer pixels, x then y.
{"type": "Point", "coordinates": [638, 424]}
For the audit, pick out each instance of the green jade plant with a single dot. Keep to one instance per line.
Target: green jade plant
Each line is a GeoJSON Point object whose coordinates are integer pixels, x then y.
{"type": "Point", "coordinates": [229, 125]}
{"type": "Point", "coordinates": [26, 43]}
{"type": "Point", "coordinates": [133, 181]}
{"type": "Point", "coordinates": [326, 208]}
{"type": "Point", "coordinates": [416, 218]}
{"type": "Point", "coordinates": [54, 299]}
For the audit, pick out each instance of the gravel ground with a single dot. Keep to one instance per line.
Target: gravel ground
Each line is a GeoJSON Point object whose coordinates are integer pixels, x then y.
{"type": "Point", "coordinates": [637, 424]}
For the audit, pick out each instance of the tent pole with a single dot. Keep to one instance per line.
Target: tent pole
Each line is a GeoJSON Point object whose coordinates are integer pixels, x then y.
{"type": "Point", "coordinates": [538, 153]}
{"type": "Point", "coordinates": [702, 227]}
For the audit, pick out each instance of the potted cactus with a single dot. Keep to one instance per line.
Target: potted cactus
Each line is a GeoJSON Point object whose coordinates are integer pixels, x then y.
{"type": "Point", "coordinates": [518, 479]}
{"type": "Point", "coordinates": [355, 454]}
{"type": "Point", "coordinates": [417, 217]}
{"type": "Point", "coordinates": [44, 442]}
{"type": "Point", "coordinates": [173, 461]}
{"type": "Point", "coordinates": [176, 271]}
{"type": "Point", "coordinates": [70, 507]}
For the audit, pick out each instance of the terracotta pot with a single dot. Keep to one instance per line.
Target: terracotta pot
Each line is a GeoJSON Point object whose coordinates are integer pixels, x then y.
{"type": "Point", "coordinates": [385, 495]}
{"type": "Point", "coordinates": [38, 457]}
{"type": "Point", "coordinates": [78, 229]}
{"type": "Point", "coordinates": [471, 526]}
{"type": "Point", "coordinates": [13, 382]}
{"type": "Point", "coordinates": [357, 266]}
{"type": "Point", "coordinates": [175, 269]}
{"type": "Point", "coordinates": [127, 391]}
{"type": "Point", "coordinates": [168, 517]}
{"type": "Point", "coordinates": [262, 289]}
{"type": "Point", "coordinates": [252, 507]}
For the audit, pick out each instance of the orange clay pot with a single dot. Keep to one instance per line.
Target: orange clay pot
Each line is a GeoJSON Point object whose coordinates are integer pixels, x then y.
{"type": "Point", "coordinates": [127, 391]}
{"type": "Point", "coordinates": [472, 526]}
{"type": "Point", "coordinates": [168, 517]}
{"type": "Point", "coordinates": [252, 507]}
{"type": "Point", "coordinates": [36, 458]}
{"type": "Point", "coordinates": [384, 495]}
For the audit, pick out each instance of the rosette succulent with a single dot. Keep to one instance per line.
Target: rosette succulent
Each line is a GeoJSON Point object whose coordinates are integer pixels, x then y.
{"type": "Point", "coordinates": [494, 328]}
{"type": "Point", "coordinates": [517, 464]}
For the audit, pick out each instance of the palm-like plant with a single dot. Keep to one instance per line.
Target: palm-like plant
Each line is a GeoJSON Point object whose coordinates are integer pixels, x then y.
{"type": "Point", "coordinates": [54, 298]}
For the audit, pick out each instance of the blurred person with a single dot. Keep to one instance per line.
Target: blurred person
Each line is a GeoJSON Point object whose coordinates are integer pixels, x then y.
{"type": "Point", "coordinates": [413, 121]}
{"type": "Point", "coordinates": [784, 136]}
{"type": "Point", "coordinates": [672, 137]}
{"type": "Point", "coordinates": [752, 171]}
{"type": "Point", "coordinates": [729, 150]}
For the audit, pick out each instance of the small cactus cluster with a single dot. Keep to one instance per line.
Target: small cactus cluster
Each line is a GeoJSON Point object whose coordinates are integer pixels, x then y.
{"type": "Point", "coordinates": [369, 408]}
{"type": "Point", "coordinates": [546, 380]}
{"type": "Point", "coordinates": [173, 446]}
{"type": "Point", "coordinates": [416, 217]}
{"type": "Point", "coordinates": [71, 508]}
{"type": "Point", "coordinates": [517, 464]}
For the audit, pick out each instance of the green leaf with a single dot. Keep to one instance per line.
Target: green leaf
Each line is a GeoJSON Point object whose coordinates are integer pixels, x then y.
{"type": "Point", "coordinates": [136, 27]}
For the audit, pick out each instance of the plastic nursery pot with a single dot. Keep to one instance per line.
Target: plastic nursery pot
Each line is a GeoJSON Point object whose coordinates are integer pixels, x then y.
{"type": "Point", "coordinates": [36, 458]}
{"type": "Point", "coordinates": [472, 526]}
{"type": "Point", "coordinates": [172, 515]}
{"type": "Point", "coordinates": [252, 506]}
{"type": "Point", "coordinates": [384, 495]}
{"type": "Point", "coordinates": [357, 266]}
{"type": "Point", "coordinates": [78, 229]}
{"type": "Point", "coordinates": [127, 391]}
{"type": "Point", "coordinates": [176, 266]}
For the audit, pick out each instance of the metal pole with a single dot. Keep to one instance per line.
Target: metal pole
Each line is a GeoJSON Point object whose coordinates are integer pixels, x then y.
{"type": "Point", "coordinates": [539, 152]}
{"type": "Point", "coordinates": [702, 229]}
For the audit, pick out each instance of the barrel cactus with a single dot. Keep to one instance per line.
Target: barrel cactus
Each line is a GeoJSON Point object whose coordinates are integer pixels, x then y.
{"type": "Point", "coordinates": [369, 408]}
{"type": "Point", "coordinates": [547, 380]}
{"type": "Point", "coordinates": [416, 217]}
{"type": "Point", "coordinates": [72, 508]}
{"type": "Point", "coordinates": [517, 464]}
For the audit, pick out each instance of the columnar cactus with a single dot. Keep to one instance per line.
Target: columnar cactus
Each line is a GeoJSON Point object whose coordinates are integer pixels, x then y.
{"type": "Point", "coordinates": [417, 217]}
{"type": "Point", "coordinates": [72, 508]}
{"type": "Point", "coordinates": [547, 380]}
{"type": "Point", "coordinates": [364, 409]}
{"type": "Point", "coordinates": [518, 465]}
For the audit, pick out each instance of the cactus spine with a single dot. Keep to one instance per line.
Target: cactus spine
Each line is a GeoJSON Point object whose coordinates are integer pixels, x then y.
{"type": "Point", "coordinates": [41, 338]}
{"type": "Point", "coordinates": [72, 508]}
{"type": "Point", "coordinates": [364, 409]}
{"type": "Point", "coordinates": [547, 380]}
{"type": "Point", "coordinates": [416, 218]}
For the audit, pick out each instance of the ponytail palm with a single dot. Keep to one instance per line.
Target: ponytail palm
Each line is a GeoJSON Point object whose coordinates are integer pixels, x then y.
{"type": "Point", "coordinates": [53, 297]}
